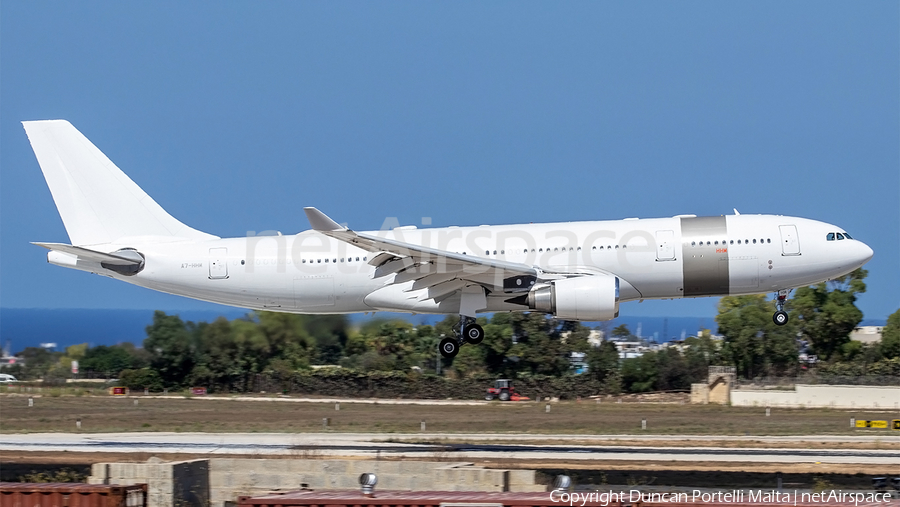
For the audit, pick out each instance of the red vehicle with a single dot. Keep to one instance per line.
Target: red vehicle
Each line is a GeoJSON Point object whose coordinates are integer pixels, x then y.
{"type": "Point", "coordinates": [504, 391]}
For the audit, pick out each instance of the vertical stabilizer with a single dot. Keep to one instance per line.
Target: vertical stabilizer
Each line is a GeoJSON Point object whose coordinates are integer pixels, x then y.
{"type": "Point", "coordinates": [98, 203]}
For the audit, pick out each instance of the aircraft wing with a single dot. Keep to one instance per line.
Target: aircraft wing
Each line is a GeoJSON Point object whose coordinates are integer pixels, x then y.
{"type": "Point", "coordinates": [93, 255]}
{"type": "Point", "coordinates": [442, 272]}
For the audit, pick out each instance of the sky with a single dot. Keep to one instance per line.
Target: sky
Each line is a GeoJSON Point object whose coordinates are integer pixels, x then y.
{"type": "Point", "coordinates": [235, 115]}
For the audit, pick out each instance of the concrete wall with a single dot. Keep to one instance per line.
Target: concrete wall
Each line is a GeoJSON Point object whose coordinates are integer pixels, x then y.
{"type": "Point", "coordinates": [699, 394]}
{"type": "Point", "coordinates": [169, 484]}
{"type": "Point", "coordinates": [720, 390]}
{"type": "Point", "coordinates": [820, 396]}
{"type": "Point", "coordinates": [219, 480]}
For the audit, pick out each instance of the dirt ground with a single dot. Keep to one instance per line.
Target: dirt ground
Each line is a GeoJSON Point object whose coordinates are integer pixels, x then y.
{"type": "Point", "coordinates": [116, 414]}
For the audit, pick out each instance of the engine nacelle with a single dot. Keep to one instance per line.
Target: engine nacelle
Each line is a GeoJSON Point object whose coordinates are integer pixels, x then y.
{"type": "Point", "coordinates": [587, 298]}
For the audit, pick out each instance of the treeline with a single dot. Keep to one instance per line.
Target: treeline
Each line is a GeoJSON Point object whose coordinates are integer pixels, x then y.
{"type": "Point", "coordinates": [280, 351]}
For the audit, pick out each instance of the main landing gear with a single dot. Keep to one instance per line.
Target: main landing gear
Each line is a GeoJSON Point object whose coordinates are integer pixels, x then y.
{"type": "Point", "coordinates": [781, 317]}
{"type": "Point", "coordinates": [468, 332]}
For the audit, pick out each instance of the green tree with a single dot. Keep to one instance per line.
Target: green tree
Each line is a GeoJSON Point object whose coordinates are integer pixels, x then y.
{"type": "Point", "coordinates": [827, 313]}
{"type": "Point", "coordinates": [700, 353]}
{"type": "Point", "coordinates": [110, 360]}
{"type": "Point", "coordinates": [171, 348]}
{"type": "Point", "coordinates": [140, 379]}
{"type": "Point", "coordinates": [540, 347]}
{"type": "Point", "coordinates": [753, 343]}
{"type": "Point", "coordinates": [672, 371]}
{"type": "Point", "coordinates": [639, 374]}
{"type": "Point", "coordinates": [330, 333]}
{"type": "Point", "coordinates": [602, 361]}
{"type": "Point", "coordinates": [497, 345]}
{"type": "Point", "coordinates": [890, 337]}
{"type": "Point", "coordinates": [621, 332]}
{"type": "Point", "coordinates": [38, 362]}
{"type": "Point", "coordinates": [470, 361]}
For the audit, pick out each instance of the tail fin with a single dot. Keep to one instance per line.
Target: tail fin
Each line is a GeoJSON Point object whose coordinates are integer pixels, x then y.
{"type": "Point", "coordinates": [98, 203]}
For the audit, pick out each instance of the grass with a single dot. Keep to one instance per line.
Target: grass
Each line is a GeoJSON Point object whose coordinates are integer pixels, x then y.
{"type": "Point", "coordinates": [112, 414]}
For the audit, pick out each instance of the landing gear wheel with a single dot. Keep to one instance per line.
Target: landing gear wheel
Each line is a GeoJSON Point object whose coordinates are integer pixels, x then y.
{"type": "Point", "coordinates": [780, 318]}
{"type": "Point", "coordinates": [473, 334]}
{"type": "Point", "coordinates": [449, 347]}
{"type": "Point", "coordinates": [504, 396]}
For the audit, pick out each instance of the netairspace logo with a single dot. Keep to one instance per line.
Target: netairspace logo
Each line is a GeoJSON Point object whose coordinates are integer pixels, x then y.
{"type": "Point", "coordinates": [604, 498]}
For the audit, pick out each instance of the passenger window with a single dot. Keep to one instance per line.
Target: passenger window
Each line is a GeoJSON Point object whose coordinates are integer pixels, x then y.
{"type": "Point", "coordinates": [357, 259]}
{"type": "Point", "coordinates": [739, 242]}
{"type": "Point", "coordinates": [732, 242]}
{"type": "Point", "coordinates": [840, 236]}
{"type": "Point", "coordinates": [768, 240]}
{"type": "Point", "coordinates": [754, 241]}
{"type": "Point", "coordinates": [495, 252]}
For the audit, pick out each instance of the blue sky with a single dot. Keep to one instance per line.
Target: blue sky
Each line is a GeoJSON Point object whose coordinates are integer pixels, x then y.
{"type": "Point", "coordinates": [235, 115]}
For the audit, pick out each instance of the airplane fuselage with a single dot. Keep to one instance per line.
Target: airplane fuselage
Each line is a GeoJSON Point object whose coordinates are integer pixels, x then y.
{"type": "Point", "coordinates": [661, 258]}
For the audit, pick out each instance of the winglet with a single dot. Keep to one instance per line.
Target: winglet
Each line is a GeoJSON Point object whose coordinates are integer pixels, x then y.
{"type": "Point", "coordinates": [320, 221]}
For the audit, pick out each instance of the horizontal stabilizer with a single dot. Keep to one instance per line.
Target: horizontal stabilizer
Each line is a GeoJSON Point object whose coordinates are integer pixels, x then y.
{"type": "Point", "coordinates": [118, 258]}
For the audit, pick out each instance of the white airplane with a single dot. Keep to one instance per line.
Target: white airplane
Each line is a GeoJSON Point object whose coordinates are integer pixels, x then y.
{"type": "Point", "coordinates": [575, 270]}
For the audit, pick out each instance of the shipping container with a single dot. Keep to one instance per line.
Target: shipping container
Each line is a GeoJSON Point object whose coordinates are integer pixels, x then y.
{"type": "Point", "coordinates": [71, 494]}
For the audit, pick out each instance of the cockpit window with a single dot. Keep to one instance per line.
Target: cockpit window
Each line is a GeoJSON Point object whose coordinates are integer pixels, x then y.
{"type": "Point", "coordinates": [830, 236]}
{"type": "Point", "coordinates": [847, 236]}
{"type": "Point", "coordinates": [840, 236]}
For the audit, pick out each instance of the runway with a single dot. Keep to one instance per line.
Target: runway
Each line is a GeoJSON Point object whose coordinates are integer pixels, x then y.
{"type": "Point", "coordinates": [475, 447]}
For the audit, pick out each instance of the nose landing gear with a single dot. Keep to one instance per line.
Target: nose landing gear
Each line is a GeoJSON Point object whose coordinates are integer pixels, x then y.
{"type": "Point", "coordinates": [781, 317]}
{"type": "Point", "coordinates": [468, 332]}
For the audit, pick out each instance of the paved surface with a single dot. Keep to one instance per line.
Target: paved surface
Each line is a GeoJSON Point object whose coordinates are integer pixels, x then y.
{"type": "Point", "coordinates": [370, 445]}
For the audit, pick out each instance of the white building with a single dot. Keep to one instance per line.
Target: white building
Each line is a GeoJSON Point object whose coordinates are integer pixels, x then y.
{"type": "Point", "coordinates": [866, 334]}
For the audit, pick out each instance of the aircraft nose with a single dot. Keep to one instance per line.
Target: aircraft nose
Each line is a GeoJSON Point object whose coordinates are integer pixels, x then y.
{"type": "Point", "coordinates": [864, 253]}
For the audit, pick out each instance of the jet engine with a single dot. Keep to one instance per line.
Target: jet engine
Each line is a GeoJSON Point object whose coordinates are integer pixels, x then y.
{"type": "Point", "coordinates": [587, 298]}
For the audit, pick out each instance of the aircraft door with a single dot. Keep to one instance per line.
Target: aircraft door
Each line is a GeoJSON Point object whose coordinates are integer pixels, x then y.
{"type": "Point", "coordinates": [790, 243]}
{"type": "Point", "coordinates": [665, 245]}
{"type": "Point", "coordinates": [218, 263]}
